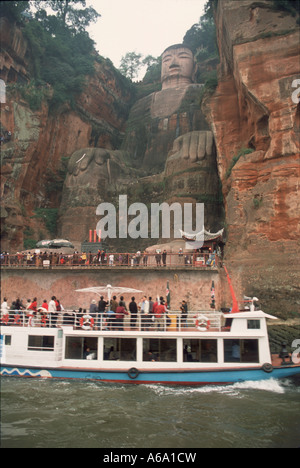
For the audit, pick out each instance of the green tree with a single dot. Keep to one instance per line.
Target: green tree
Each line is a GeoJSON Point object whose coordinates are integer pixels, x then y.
{"type": "Point", "coordinates": [201, 38]}
{"type": "Point", "coordinates": [14, 10]}
{"type": "Point", "coordinates": [131, 65]}
{"type": "Point", "coordinates": [61, 55]}
{"type": "Point", "coordinates": [68, 13]}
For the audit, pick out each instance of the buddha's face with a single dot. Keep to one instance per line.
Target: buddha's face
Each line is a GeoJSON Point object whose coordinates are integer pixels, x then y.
{"type": "Point", "coordinates": [177, 66]}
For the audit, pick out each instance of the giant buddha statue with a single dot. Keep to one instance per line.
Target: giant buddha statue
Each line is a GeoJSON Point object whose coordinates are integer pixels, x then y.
{"type": "Point", "coordinates": [166, 134]}
{"type": "Point", "coordinates": [156, 120]}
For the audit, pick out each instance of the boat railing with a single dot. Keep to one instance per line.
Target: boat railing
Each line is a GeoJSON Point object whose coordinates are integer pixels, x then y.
{"type": "Point", "coordinates": [108, 321]}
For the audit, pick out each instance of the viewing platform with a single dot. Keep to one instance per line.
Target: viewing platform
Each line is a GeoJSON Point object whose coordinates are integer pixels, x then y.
{"type": "Point", "coordinates": [115, 261]}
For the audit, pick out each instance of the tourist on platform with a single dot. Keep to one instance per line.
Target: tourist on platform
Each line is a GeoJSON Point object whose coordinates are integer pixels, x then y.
{"type": "Point", "coordinates": [111, 259]}
{"type": "Point", "coordinates": [145, 258]}
{"type": "Point", "coordinates": [164, 258]}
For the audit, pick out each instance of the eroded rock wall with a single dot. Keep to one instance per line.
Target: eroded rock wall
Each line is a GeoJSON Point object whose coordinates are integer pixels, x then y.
{"type": "Point", "coordinates": [40, 139]}
{"type": "Point", "coordinates": [256, 127]}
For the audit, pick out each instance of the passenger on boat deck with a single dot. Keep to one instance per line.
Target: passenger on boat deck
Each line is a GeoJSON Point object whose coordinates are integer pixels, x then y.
{"type": "Point", "coordinates": [94, 310]}
{"type": "Point", "coordinates": [145, 313]}
{"type": "Point", "coordinates": [59, 309]}
{"type": "Point", "coordinates": [52, 312]}
{"type": "Point", "coordinates": [4, 308]}
{"type": "Point", "coordinates": [160, 311]}
{"type": "Point", "coordinates": [120, 314]}
{"type": "Point", "coordinates": [184, 312]}
{"type": "Point", "coordinates": [101, 309]}
{"type": "Point", "coordinates": [133, 309]}
{"type": "Point", "coordinates": [32, 308]}
{"type": "Point", "coordinates": [112, 312]}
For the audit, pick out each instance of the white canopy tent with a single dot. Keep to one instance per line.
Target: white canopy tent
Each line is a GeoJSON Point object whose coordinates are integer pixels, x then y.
{"type": "Point", "coordinates": [108, 289]}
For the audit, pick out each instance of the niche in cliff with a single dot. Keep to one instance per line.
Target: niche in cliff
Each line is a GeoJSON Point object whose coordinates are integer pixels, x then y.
{"type": "Point", "coordinates": [254, 121]}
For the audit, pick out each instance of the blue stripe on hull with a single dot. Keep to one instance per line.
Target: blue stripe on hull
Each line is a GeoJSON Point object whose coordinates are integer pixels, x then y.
{"type": "Point", "coordinates": [147, 377]}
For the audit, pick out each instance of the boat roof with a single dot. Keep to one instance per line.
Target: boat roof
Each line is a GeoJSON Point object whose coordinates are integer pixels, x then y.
{"type": "Point", "coordinates": [251, 314]}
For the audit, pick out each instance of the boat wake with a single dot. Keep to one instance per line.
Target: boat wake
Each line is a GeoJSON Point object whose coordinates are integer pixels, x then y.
{"type": "Point", "coordinates": [271, 385]}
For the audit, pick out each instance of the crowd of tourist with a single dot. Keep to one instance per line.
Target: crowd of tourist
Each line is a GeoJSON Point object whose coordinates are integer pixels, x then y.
{"type": "Point", "coordinates": [145, 314]}
{"type": "Point", "coordinates": [102, 258]}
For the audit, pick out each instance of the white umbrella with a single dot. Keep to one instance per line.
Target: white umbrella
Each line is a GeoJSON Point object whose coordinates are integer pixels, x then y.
{"type": "Point", "coordinates": [109, 289]}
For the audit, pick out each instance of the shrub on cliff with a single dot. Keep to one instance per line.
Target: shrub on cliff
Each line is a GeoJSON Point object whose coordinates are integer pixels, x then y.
{"type": "Point", "coordinates": [61, 60]}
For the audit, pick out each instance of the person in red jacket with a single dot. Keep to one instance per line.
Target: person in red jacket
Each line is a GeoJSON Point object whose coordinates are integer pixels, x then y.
{"type": "Point", "coordinates": [31, 312]}
{"type": "Point", "coordinates": [120, 314]}
{"type": "Point", "coordinates": [159, 313]}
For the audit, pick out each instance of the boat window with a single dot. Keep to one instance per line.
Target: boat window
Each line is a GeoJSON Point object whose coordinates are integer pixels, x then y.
{"type": "Point", "coordinates": [253, 324]}
{"type": "Point", "coordinates": [200, 350]}
{"type": "Point", "coordinates": [81, 347]}
{"type": "Point", "coordinates": [241, 350]}
{"type": "Point", "coordinates": [119, 349]}
{"type": "Point", "coordinates": [40, 343]}
{"type": "Point", "coordinates": [7, 340]}
{"type": "Point", "coordinates": [156, 349]}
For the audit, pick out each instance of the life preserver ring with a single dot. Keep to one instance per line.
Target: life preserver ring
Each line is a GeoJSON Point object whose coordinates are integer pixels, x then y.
{"type": "Point", "coordinates": [133, 373]}
{"type": "Point", "coordinates": [87, 322]}
{"type": "Point", "coordinates": [17, 320]}
{"type": "Point", "coordinates": [44, 321]}
{"type": "Point", "coordinates": [267, 367]}
{"type": "Point", "coordinates": [202, 323]}
{"type": "Point", "coordinates": [5, 319]}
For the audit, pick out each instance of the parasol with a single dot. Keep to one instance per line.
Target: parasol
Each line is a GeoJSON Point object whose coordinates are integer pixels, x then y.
{"type": "Point", "coordinates": [55, 244]}
{"type": "Point", "coordinates": [44, 244]}
{"type": "Point", "coordinates": [108, 289]}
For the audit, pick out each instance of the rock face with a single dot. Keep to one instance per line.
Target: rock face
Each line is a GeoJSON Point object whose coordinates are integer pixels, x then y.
{"type": "Point", "coordinates": [40, 140]}
{"type": "Point", "coordinates": [256, 128]}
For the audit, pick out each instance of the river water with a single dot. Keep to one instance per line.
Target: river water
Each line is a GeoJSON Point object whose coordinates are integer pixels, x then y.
{"type": "Point", "coordinates": [68, 414]}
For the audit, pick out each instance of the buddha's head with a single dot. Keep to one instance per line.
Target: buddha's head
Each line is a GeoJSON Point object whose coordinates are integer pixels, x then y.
{"type": "Point", "coordinates": [178, 67]}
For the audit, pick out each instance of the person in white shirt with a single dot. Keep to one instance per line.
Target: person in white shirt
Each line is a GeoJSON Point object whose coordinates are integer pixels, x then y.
{"type": "Point", "coordinates": [4, 307]}
{"type": "Point", "coordinates": [111, 260]}
{"type": "Point", "coordinates": [145, 314]}
{"type": "Point", "coordinates": [52, 311]}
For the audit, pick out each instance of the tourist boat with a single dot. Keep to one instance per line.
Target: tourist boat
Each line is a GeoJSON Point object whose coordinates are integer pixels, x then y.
{"type": "Point", "coordinates": [207, 348]}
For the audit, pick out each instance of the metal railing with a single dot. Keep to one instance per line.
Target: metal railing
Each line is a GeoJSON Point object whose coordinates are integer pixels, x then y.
{"type": "Point", "coordinates": [110, 321]}
{"type": "Point", "coordinates": [122, 260]}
